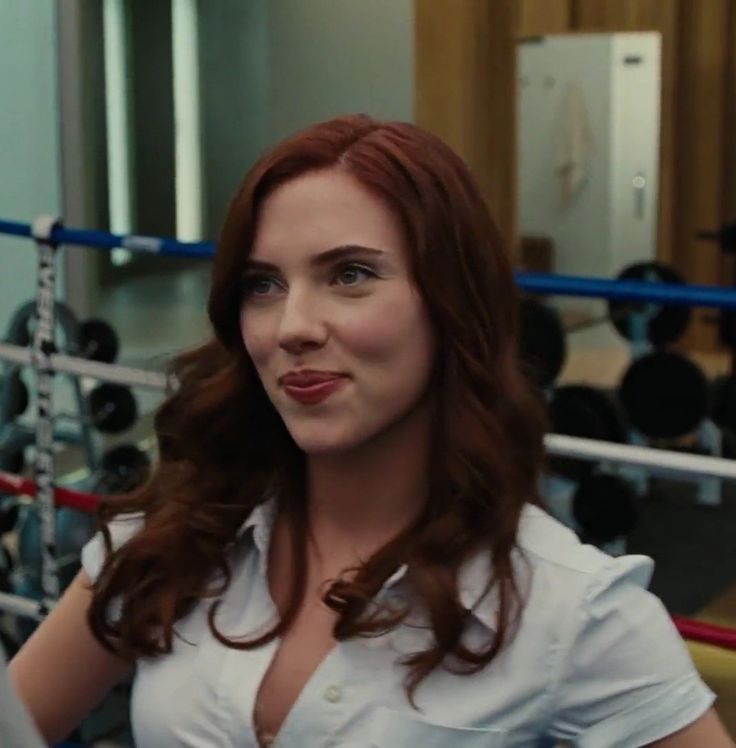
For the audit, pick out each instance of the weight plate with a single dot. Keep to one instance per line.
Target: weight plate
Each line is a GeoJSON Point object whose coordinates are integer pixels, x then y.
{"type": "Point", "coordinates": [605, 508]}
{"type": "Point", "coordinates": [664, 324]}
{"type": "Point", "coordinates": [98, 341]}
{"type": "Point", "coordinates": [113, 408]}
{"type": "Point", "coordinates": [586, 412]}
{"type": "Point", "coordinates": [665, 395]}
{"type": "Point", "coordinates": [542, 345]}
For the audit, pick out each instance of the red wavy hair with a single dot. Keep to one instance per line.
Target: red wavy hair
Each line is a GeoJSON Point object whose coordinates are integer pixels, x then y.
{"type": "Point", "coordinates": [223, 447]}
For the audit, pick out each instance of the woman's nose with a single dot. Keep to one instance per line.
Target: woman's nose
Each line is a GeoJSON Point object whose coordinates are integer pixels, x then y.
{"type": "Point", "coordinates": [301, 325]}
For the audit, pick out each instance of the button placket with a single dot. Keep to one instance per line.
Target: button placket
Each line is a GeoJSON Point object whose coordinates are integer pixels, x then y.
{"type": "Point", "coordinates": [317, 713]}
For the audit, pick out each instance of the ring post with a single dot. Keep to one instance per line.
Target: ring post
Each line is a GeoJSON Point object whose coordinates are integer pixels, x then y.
{"type": "Point", "coordinates": [43, 348]}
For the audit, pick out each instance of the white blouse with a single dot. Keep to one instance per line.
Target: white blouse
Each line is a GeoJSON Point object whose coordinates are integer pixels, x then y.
{"type": "Point", "coordinates": [596, 661]}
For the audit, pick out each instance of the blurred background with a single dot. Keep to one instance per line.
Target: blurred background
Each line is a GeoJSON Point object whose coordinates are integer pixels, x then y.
{"type": "Point", "coordinates": [603, 136]}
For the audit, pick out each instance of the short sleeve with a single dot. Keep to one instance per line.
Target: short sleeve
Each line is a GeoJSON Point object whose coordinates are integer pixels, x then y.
{"type": "Point", "coordinates": [122, 529]}
{"type": "Point", "coordinates": [625, 677]}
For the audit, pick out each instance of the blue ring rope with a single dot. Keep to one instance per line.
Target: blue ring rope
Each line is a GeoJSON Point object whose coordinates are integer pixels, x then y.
{"type": "Point", "coordinates": [670, 294]}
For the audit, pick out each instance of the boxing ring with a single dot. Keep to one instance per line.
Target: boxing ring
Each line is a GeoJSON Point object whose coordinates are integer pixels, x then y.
{"type": "Point", "coordinates": [49, 236]}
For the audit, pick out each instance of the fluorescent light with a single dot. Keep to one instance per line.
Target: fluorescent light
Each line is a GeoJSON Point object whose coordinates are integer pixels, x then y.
{"type": "Point", "coordinates": [188, 160]}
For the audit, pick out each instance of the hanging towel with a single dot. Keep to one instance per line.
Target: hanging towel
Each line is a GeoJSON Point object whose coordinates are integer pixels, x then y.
{"type": "Point", "coordinates": [575, 147]}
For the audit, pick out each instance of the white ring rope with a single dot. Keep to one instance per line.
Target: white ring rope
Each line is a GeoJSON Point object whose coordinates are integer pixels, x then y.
{"type": "Point", "coordinates": [86, 368]}
{"type": "Point", "coordinates": [21, 606]}
{"type": "Point", "coordinates": [658, 461]}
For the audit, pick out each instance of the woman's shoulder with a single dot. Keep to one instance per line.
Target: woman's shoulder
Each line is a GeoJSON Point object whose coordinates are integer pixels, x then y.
{"type": "Point", "coordinates": [554, 550]}
{"type": "Point", "coordinates": [122, 528]}
{"type": "Point", "coordinates": [556, 575]}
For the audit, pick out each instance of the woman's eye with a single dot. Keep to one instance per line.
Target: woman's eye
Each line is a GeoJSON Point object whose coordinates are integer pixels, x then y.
{"type": "Point", "coordinates": [259, 286]}
{"type": "Point", "coordinates": [351, 274]}
{"type": "Point", "coordinates": [256, 285]}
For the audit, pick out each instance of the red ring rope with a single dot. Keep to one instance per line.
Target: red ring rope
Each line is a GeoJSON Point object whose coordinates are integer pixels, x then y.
{"type": "Point", "coordinates": [709, 633]}
{"type": "Point", "coordinates": [16, 484]}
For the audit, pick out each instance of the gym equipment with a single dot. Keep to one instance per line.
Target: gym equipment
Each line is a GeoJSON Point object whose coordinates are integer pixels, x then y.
{"type": "Point", "coordinates": [9, 511]}
{"type": "Point", "coordinates": [542, 345]}
{"type": "Point", "coordinates": [16, 392]}
{"type": "Point", "coordinates": [723, 402]}
{"type": "Point", "coordinates": [73, 530]}
{"type": "Point", "coordinates": [12, 461]}
{"type": "Point", "coordinates": [604, 507]}
{"type": "Point", "coordinates": [19, 333]}
{"type": "Point", "coordinates": [584, 411]}
{"type": "Point", "coordinates": [122, 469]}
{"type": "Point", "coordinates": [661, 324]}
{"type": "Point", "coordinates": [98, 341]}
{"type": "Point", "coordinates": [113, 408]}
{"type": "Point", "coordinates": [665, 395]}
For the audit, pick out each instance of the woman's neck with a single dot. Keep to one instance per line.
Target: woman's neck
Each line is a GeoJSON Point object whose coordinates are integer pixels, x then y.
{"type": "Point", "coordinates": [359, 500]}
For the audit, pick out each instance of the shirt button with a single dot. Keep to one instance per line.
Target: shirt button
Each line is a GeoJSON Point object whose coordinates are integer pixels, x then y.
{"type": "Point", "coordinates": [332, 694]}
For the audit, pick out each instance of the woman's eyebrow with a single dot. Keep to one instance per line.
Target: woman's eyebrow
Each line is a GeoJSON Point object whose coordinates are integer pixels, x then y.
{"type": "Point", "coordinates": [323, 258]}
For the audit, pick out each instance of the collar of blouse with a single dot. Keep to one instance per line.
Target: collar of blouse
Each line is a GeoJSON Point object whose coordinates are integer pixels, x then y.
{"type": "Point", "coordinates": [474, 574]}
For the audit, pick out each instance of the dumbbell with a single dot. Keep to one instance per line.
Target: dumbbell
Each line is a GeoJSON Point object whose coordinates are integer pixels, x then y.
{"type": "Point", "coordinates": [586, 412]}
{"type": "Point", "coordinates": [662, 324]}
{"type": "Point", "coordinates": [113, 408]}
{"type": "Point", "coordinates": [542, 345]}
{"type": "Point", "coordinates": [605, 508]}
{"type": "Point", "coordinates": [122, 469]}
{"type": "Point", "coordinates": [15, 390]}
{"type": "Point", "coordinates": [97, 339]}
{"type": "Point", "coordinates": [665, 395]}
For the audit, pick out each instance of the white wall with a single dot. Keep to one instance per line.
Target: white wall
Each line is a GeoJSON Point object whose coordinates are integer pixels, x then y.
{"type": "Point", "coordinates": [271, 67]}
{"type": "Point", "coordinates": [580, 229]}
{"type": "Point", "coordinates": [330, 57]}
{"type": "Point", "coordinates": [234, 97]}
{"type": "Point", "coordinates": [602, 229]}
{"type": "Point", "coordinates": [29, 139]}
{"type": "Point", "coordinates": [635, 97]}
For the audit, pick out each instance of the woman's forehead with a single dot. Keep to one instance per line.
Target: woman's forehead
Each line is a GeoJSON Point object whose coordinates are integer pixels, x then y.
{"type": "Point", "coordinates": [322, 210]}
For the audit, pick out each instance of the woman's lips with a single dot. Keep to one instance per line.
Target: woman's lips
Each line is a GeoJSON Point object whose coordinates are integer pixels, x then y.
{"type": "Point", "coordinates": [315, 393]}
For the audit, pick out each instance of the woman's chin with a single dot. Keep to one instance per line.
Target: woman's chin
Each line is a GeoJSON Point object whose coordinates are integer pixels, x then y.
{"type": "Point", "coordinates": [323, 444]}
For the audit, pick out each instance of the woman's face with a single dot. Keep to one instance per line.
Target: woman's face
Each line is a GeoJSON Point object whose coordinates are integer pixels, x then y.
{"type": "Point", "coordinates": [328, 289]}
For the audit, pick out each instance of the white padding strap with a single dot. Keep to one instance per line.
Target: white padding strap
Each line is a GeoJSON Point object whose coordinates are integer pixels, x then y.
{"type": "Point", "coordinates": [43, 226]}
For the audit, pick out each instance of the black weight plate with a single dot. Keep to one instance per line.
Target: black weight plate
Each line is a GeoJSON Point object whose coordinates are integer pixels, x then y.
{"type": "Point", "coordinates": [723, 402]}
{"type": "Point", "coordinates": [122, 469]}
{"type": "Point", "coordinates": [586, 412]}
{"type": "Point", "coordinates": [668, 322]}
{"type": "Point", "coordinates": [14, 388]}
{"type": "Point", "coordinates": [542, 345]}
{"type": "Point", "coordinates": [98, 341]}
{"type": "Point", "coordinates": [113, 408]}
{"type": "Point", "coordinates": [727, 327]}
{"type": "Point", "coordinates": [12, 461]}
{"type": "Point", "coordinates": [605, 508]}
{"type": "Point", "coordinates": [665, 395]}
{"type": "Point", "coordinates": [9, 511]}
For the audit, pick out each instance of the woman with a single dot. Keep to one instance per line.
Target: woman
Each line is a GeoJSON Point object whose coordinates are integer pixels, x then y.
{"type": "Point", "coordinates": [342, 543]}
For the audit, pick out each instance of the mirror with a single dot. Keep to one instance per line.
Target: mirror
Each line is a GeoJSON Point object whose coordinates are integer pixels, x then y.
{"type": "Point", "coordinates": [588, 162]}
